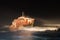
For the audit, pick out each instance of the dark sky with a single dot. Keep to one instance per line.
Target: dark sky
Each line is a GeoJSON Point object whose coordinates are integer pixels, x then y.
{"type": "Point", "coordinates": [43, 9]}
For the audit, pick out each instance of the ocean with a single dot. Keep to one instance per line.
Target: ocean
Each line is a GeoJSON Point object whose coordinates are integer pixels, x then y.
{"type": "Point", "coordinates": [26, 35]}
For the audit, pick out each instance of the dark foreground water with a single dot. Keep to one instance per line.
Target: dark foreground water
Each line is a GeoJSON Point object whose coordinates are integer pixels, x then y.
{"type": "Point", "coordinates": [25, 35]}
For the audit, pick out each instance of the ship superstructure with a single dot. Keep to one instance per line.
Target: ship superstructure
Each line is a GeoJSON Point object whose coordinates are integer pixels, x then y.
{"type": "Point", "coordinates": [22, 21]}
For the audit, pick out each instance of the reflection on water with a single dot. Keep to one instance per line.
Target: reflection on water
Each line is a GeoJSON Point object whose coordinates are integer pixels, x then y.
{"type": "Point", "coordinates": [22, 35]}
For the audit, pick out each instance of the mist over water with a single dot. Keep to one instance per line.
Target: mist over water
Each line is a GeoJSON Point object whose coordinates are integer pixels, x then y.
{"type": "Point", "coordinates": [21, 35]}
{"type": "Point", "coordinates": [28, 34]}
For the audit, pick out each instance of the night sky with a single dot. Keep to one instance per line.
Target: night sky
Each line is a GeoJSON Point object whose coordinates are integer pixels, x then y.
{"type": "Point", "coordinates": [10, 10]}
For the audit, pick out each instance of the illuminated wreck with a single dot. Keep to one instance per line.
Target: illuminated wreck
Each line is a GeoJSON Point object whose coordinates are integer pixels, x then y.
{"type": "Point", "coordinates": [26, 23]}
{"type": "Point", "coordinates": [21, 22]}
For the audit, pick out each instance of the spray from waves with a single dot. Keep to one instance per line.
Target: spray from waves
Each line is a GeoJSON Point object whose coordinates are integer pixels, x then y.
{"type": "Point", "coordinates": [38, 28]}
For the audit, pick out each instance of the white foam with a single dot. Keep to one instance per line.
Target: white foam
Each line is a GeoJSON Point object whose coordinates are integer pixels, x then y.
{"type": "Point", "coordinates": [38, 28]}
